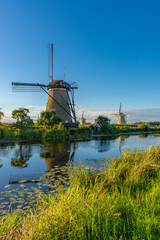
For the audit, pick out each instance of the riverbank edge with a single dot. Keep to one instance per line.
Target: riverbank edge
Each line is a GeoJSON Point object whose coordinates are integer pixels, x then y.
{"type": "Point", "coordinates": [79, 138]}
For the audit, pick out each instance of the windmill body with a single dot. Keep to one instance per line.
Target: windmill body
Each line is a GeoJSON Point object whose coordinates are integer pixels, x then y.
{"type": "Point", "coordinates": [83, 120]}
{"type": "Point", "coordinates": [58, 90]}
{"type": "Point", "coordinates": [122, 118]}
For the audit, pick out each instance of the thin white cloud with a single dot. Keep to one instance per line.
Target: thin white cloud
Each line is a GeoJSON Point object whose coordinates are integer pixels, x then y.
{"type": "Point", "coordinates": [136, 115]}
{"type": "Point", "coordinates": [7, 118]}
{"type": "Point", "coordinates": [35, 108]}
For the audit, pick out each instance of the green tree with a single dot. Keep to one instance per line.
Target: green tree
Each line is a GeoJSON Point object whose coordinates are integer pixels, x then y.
{"type": "Point", "coordinates": [49, 118]}
{"type": "Point", "coordinates": [103, 119]}
{"type": "Point", "coordinates": [105, 124]}
{"type": "Point", "coordinates": [23, 120]}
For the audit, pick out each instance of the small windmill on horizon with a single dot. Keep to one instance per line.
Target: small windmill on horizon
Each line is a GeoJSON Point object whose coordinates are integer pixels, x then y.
{"type": "Point", "coordinates": [60, 96]}
{"type": "Point", "coordinates": [1, 114]}
{"type": "Point", "coordinates": [122, 117]}
{"type": "Point", "coordinates": [83, 119]}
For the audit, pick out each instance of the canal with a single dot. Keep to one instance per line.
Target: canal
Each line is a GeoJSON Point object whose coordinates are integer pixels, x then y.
{"type": "Point", "coordinates": [23, 164]}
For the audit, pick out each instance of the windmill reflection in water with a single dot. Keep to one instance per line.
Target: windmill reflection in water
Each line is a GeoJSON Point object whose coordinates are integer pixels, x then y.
{"type": "Point", "coordinates": [56, 155]}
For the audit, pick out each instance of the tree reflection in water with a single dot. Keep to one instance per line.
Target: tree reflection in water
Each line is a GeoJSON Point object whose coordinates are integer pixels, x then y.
{"type": "Point", "coordinates": [22, 156]}
{"type": "Point", "coordinates": [1, 165]}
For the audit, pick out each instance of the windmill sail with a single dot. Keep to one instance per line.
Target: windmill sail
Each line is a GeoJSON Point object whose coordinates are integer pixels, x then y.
{"type": "Point", "coordinates": [120, 108]}
{"type": "Point", "coordinates": [27, 87]}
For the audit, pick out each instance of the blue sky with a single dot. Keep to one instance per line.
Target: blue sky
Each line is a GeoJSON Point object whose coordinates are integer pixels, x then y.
{"type": "Point", "coordinates": [112, 47]}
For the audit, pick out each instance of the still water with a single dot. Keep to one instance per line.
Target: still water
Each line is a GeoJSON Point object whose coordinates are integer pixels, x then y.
{"type": "Point", "coordinates": [28, 162]}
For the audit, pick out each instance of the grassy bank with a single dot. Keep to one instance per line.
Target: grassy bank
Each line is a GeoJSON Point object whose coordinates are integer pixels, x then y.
{"type": "Point", "coordinates": [119, 202]}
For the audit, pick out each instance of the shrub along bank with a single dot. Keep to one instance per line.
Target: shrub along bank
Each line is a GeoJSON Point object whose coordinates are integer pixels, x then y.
{"type": "Point", "coordinates": [37, 133]}
{"type": "Point", "coordinates": [135, 128]}
{"type": "Point", "coordinates": [117, 202]}
{"type": "Point", "coordinates": [11, 132]}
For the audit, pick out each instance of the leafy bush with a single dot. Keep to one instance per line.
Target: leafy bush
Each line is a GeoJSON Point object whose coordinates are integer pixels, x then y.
{"type": "Point", "coordinates": [48, 118]}
{"type": "Point", "coordinates": [55, 133]}
{"type": "Point", "coordinates": [107, 128]}
{"type": "Point", "coordinates": [82, 131]}
{"type": "Point", "coordinates": [30, 134]}
{"type": "Point", "coordinates": [73, 131]}
{"type": "Point", "coordinates": [3, 133]}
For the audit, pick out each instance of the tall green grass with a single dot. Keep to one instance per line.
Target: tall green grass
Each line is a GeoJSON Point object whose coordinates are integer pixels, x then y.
{"type": "Point", "coordinates": [121, 201]}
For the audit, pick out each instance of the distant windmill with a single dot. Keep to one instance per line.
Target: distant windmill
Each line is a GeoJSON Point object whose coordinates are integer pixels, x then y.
{"type": "Point", "coordinates": [1, 114]}
{"type": "Point", "coordinates": [83, 120]}
{"type": "Point", "coordinates": [121, 116]}
{"type": "Point", "coordinates": [60, 95]}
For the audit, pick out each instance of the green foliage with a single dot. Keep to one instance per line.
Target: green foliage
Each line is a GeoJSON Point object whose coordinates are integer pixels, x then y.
{"type": "Point", "coordinates": [107, 128]}
{"type": "Point", "coordinates": [81, 131]}
{"type": "Point", "coordinates": [2, 133]}
{"type": "Point", "coordinates": [48, 118]}
{"type": "Point", "coordinates": [155, 123]}
{"type": "Point", "coordinates": [55, 134]}
{"type": "Point", "coordinates": [30, 134]}
{"type": "Point", "coordinates": [73, 131]}
{"type": "Point", "coordinates": [103, 119]}
{"type": "Point", "coordinates": [7, 132]}
{"type": "Point", "coordinates": [23, 120]}
{"type": "Point", "coordinates": [135, 128]}
{"type": "Point", "coordinates": [105, 125]}
{"type": "Point", "coordinates": [12, 133]}
{"type": "Point", "coordinates": [144, 127]}
{"type": "Point", "coordinates": [60, 126]}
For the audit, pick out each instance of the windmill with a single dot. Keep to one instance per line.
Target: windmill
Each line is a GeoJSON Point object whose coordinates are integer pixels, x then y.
{"type": "Point", "coordinates": [121, 116]}
{"type": "Point", "coordinates": [83, 120]}
{"type": "Point", "coordinates": [1, 114]}
{"type": "Point", "coordinates": [60, 95]}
